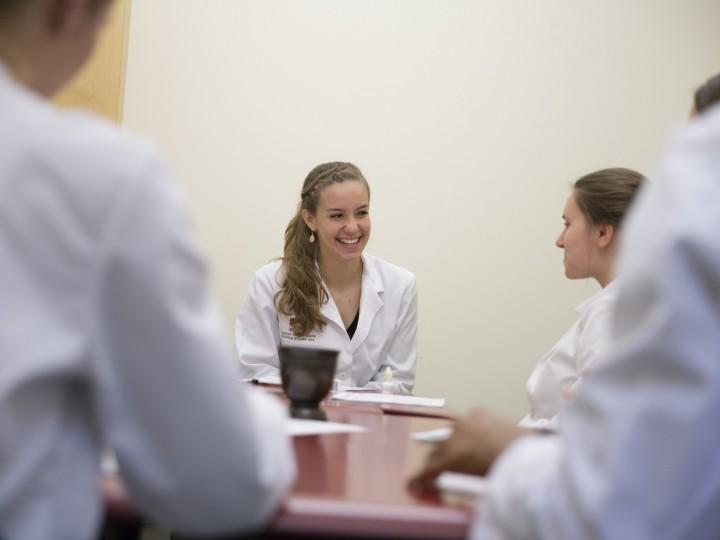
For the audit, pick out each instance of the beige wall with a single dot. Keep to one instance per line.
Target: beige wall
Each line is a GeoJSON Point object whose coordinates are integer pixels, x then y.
{"type": "Point", "coordinates": [469, 118]}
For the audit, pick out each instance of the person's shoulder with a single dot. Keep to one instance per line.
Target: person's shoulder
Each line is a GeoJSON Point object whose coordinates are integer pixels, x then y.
{"type": "Point", "coordinates": [270, 274]}
{"type": "Point", "coordinates": [680, 201]}
{"type": "Point", "coordinates": [389, 271]}
{"type": "Point", "coordinates": [604, 302]}
{"type": "Point", "coordinates": [690, 168]}
{"type": "Point", "coordinates": [96, 166]}
{"type": "Point", "coordinates": [705, 128]}
{"type": "Point", "coordinates": [98, 144]}
{"type": "Point", "coordinates": [78, 146]}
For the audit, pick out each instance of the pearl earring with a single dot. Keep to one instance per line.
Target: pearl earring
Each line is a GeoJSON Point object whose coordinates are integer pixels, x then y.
{"type": "Point", "coordinates": [312, 237]}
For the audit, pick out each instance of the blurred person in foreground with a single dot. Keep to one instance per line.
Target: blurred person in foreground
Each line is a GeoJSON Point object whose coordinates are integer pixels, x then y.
{"type": "Point", "coordinates": [107, 337]}
{"type": "Point", "coordinates": [636, 455]}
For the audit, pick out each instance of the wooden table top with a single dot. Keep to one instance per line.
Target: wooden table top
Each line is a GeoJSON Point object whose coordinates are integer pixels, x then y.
{"type": "Point", "coordinates": [355, 484]}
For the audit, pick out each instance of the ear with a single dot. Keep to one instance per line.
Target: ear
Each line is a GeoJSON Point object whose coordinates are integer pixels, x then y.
{"type": "Point", "coordinates": [605, 235]}
{"type": "Point", "coordinates": [309, 220]}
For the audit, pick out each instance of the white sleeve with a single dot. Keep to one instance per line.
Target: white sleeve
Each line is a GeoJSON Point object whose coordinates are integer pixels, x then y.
{"type": "Point", "coordinates": [402, 352]}
{"type": "Point", "coordinates": [198, 452]}
{"type": "Point", "coordinates": [514, 505]}
{"type": "Point", "coordinates": [638, 455]}
{"type": "Point", "coordinates": [257, 334]}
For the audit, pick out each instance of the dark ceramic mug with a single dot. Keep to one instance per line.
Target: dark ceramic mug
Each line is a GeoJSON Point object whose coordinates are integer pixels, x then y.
{"type": "Point", "coordinates": [307, 376]}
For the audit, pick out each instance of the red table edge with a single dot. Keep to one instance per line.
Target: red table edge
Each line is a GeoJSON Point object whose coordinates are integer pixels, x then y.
{"type": "Point", "coordinates": [326, 516]}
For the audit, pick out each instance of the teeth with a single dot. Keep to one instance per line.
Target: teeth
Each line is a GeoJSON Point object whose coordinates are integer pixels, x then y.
{"type": "Point", "coordinates": [349, 241]}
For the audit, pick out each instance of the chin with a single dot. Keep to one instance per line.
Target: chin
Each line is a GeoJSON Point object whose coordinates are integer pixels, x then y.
{"type": "Point", "coordinates": [350, 256]}
{"type": "Point", "coordinates": [576, 275]}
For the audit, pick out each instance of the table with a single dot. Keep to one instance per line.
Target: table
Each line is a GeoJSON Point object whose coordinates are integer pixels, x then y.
{"type": "Point", "coordinates": [354, 485]}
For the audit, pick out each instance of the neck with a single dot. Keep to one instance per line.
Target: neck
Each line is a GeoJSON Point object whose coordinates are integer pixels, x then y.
{"type": "Point", "coordinates": [606, 272]}
{"type": "Point", "coordinates": [21, 63]}
{"type": "Point", "coordinates": [340, 274]}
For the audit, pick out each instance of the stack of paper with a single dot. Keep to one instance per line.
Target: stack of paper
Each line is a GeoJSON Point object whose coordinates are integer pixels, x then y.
{"type": "Point", "coordinates": [395, 399]}
{"type": "Point", "coordinates": [298, 428]}
{"type": "Point", "coordinates": [434, 435]}
{"type": "Point", "coordinates": [462, 483]}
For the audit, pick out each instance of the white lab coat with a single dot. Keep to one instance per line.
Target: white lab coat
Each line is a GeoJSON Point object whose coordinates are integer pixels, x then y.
{"type": "Point", "coordinates": [107, 337]}
{"type": "Point", "coordinates": [559, 373]}
{"type": "Point", "coordinates": [638, 451]}
{"type": "Point", "coordinates": [386, 333]}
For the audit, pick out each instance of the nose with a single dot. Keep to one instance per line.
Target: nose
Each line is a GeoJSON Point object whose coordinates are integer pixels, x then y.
{"type": "Point", "coordinates": [560, 240]}
{"type": "Point", "coordinates": [351, 225]}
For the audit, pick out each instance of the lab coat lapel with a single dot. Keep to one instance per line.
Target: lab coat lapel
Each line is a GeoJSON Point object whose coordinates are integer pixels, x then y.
{"type": "Point", "coordinates": [370, 303]}
{"type": "Point", "coordinates": [330, 311]}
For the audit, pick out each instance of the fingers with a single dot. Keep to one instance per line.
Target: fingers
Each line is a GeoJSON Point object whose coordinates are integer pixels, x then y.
{"type": "Point", "coordinates": [436, 464]}
{"type": "Point", "coordinates": [463, 452]}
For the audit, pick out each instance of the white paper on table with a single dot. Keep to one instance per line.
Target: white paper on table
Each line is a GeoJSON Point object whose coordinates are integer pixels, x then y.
{"type": "Point", "coordinates": [394, 399]}
{"type": "Point", "coordinates": [434, 435]}
{"type": "Point", "coordinates": [356, 389]}
{"type": "Point", "coordinates": [298, 428]}
{"type": "Point", "coordinates": [462, 483]}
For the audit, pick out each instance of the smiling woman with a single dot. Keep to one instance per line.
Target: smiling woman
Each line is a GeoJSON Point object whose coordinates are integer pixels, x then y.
{"type": "Point", "coordinates": [326, 293]}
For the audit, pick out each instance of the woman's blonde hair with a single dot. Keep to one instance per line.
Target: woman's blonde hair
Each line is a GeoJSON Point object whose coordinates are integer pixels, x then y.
{"type": "Point", "coordinates": [301, 291]}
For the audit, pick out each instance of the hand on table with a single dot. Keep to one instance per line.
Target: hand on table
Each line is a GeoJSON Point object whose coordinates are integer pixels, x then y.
{"type": "Point", "coordinates": [477, 440]}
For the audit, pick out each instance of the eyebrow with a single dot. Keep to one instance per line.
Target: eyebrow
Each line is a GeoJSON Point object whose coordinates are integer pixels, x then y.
{"type": "Point", "coordinates": [364, 206]}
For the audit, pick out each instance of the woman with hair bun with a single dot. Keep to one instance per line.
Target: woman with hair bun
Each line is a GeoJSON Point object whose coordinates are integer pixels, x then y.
{"type": "Point", "coordinates": [325, 292]}
{"type": "Point", "coordinates": [592, 218]}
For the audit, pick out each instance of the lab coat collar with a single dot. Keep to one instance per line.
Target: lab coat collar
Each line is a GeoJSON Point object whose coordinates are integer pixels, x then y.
{"type": "Point", "coordinates": [10, 83]}
{"type": "Point", "coordinates": [370, 301]}
{"type": "Point", "coordinates": [8, 78]}
{"type": "Point", "coordinates": [609, 290]}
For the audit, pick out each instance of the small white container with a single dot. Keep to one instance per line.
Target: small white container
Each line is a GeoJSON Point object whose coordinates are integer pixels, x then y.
{"type": "Point", "coordinates": [387, 384]}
